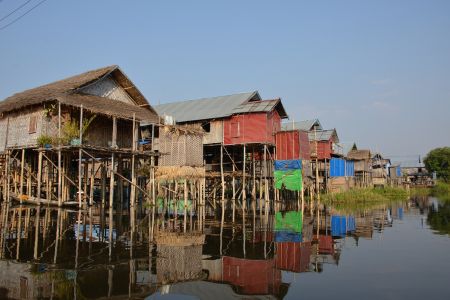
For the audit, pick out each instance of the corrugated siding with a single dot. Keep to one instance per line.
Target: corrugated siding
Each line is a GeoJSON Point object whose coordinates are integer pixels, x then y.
{"type": "Point", "coordinates": [251, 128]}
{"type": "Point", "coordinates": [341, 167]}
{"type": "Point", "coordinates": [324, 149]}
{"type": "Point", "coordinates": [287, 143]}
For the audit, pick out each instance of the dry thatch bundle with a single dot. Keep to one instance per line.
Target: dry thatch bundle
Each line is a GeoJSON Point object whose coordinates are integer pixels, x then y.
{"type": "Point", "coordinates": [179, 239]}
{"type": "Point", "coordinates": [175, 172]}
{"type": "Point", "coordinates": [187, 129]}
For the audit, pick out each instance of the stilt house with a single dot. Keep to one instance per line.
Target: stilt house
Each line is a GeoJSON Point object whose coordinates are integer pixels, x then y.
{"type": "Point", "coordinates": [89, 121]}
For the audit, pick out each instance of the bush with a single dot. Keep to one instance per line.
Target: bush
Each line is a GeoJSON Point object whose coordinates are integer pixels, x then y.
{"type": "Point", "coordinates": [44, 139]}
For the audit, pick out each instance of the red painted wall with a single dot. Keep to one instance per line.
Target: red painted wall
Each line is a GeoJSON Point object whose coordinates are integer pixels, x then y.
{"type": "Point", "coordinates": [324, 149]}
{"type": "Point", "coordinates": [251, 128]}
{"type": "Point", "coordinates": [293, 257]}
{"type": "Point", "coordinates": [292, 145]}
{"type": "Point", "coordinates": [252, 277]}
{"type": "Point", "coordinates": [326, 245]}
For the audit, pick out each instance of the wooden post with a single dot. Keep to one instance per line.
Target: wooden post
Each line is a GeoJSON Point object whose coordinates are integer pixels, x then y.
{"type": "Point", "coordinates": [80, 156]}
{"type": "Point", "coordinates": [253, 175]}
{"type": "Point", "coordinates": [92, 183]}
{"type": "Point", "coordinates": [133, 162]}
{"type": "Point", "coordinates": [39, 176]}
{"type": "Point", "coordinates": [244, 196]}
{"type": "Point", "coordinates": [36, 231]}
{"type": "Point", "coordinates": [103, 180]}
{"type": "Point", "coordinates": [112, 167]}
{"type": "Point", "coordinates": [185, 205]}
{"type": "Point", "coordinates": [222, 177]}
{"type": "Point", "coordinates": [22, 169]}
{"type": "Point", "coordinates": [152, 176]}
{"type": "Point", "coordinates": [233, 200]}
{"type": "Point", "coordinates": [59, 157]}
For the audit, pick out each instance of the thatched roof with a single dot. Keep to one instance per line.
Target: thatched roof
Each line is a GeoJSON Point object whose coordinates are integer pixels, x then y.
{"type": "Point", "coordinates": [67, 91]}
{"type": "Point", "coordinates": [359, 154]}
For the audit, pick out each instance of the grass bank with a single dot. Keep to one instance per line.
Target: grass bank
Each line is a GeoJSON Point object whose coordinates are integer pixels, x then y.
{"type": "Point", "coordinates": [440, 190]}
{"type": "Point", "coordinates": [365, 198]}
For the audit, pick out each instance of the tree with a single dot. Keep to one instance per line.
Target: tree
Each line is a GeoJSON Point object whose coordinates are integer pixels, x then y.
{"type": "Point", "coordinates": [438, 160]}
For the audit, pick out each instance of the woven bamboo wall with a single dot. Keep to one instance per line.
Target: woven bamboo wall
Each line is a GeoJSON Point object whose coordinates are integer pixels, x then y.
{"type": "Point", "coordinates": [14, 128]}
{"type": "Point", "coordinates": [180, 148]}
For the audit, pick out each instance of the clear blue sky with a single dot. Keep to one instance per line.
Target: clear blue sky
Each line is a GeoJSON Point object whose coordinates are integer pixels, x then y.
{"type": "Point", "coordinates": [377, 71]}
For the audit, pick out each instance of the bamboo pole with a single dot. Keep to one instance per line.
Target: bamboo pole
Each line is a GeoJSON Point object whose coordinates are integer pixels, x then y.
{"type": "Point", "coordinates": [133, 175]}
{"type": "Point", "coordinates": [185, 206]}
{"type": "Point", "coordinates": [39, 176]}
{"type": "Point", "coordinates": [112, 167]}
{"type": "Point", "coordinates": [233, 200]}
{"type": "Point", "coordinates": [59, 157]}
{"type": "Point", "coordinates": [244, 196]}
{"type": "Point", "coordinates": [22, 169]}
{"type": "Point", "coordinates": [80, 157]}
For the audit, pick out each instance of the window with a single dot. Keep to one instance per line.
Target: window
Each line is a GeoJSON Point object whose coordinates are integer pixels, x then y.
{"type": "Point", "coordinates": [206, 127]}
{"type": "Point", "coordinates": [32, 126]}
{"type": "Point", "coordinates": [235, 129]}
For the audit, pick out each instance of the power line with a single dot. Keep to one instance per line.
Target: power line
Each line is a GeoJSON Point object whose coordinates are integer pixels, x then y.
{"type": "Point", "coordinates": [23, 4]}
{"type": "Point", "coordinates": [21, 16]}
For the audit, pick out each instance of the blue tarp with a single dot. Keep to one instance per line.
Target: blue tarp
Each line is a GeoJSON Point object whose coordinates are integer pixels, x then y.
{"type": "Point", "coordinates": [400, 213]}
{"type": "Point", "coordinates": [338, 226]}
{"type": "Point", "coordinates": [351, 225]}
{"type": "Point", "coordinates": [340, 167]}
{"type": "Point", "coordinates": [349, 168]}
{"type": "Point", "coordinates": [398, 171]}
{"type": "Point", "coordinates": [286, 165]}
{"type": "Point", "coordinates": [288, 236]}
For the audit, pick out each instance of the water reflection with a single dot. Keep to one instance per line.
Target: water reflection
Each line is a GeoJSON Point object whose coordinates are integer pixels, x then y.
{"type": "Point", "coordinates": [54, 253]}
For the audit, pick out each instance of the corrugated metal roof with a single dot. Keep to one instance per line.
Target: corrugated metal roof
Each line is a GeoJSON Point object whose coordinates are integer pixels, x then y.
{"type": "Point", "coordinates": [323, 135]}
{"type": "Point", "coordinates": [262, 106]}
{"type": "Point", "coordinates": [305, 125]}
{"type": "Point", "coordinates": [205, 108]}
{"type": "Point", "coordinates": [257, 106]}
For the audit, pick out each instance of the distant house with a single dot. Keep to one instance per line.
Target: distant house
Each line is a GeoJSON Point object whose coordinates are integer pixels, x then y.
{"type": "Point", "coordinates": [305, 125]}
{"type": "Point", "coordinates": [380, 169]}
{"type": "Point", "coordinates": [362, 165]}
{"type": "Point", "coordinates": [323, 143]}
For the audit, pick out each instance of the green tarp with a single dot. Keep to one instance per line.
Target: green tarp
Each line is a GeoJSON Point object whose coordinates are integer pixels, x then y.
{"type": "Point", "coordinates": [291, 179]}
{"type": "Point", "coordinates": [288, 221]}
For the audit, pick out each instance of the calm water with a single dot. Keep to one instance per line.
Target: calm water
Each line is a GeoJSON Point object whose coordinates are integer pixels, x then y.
{"type": "Point", "coordinates": [401, 251]}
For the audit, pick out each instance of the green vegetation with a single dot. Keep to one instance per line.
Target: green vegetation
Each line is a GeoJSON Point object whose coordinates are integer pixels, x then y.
{"type": "Point", "coordinates": [71, 130]}
{"type": "Point", "coordinates": [440, 190]}
{"type": "Point", "coordinates": [44, 139]}
{"type": "Point", "coordinates": [438, 160]}
{"type": "Point", "coordinates": [439, 219]}
{"type": "Point", "coordinates": [365, 198]}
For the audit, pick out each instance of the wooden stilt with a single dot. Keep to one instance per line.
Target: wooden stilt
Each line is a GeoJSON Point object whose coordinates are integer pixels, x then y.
{"type": "Point", "coordinates": [22, 171]}
{"type": "Point", "coordinates": [133, 175]}
{"type": "Point", "coordinates": [39, 175]}
{"type": "Point", "coordinates": [80, 157]}
{"type": "Point", "coordinates": [112, 167]}
{"type": "Point", "coordinates": [244, 196]}
{"type": "Point", "coordinates": [59, 157]}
